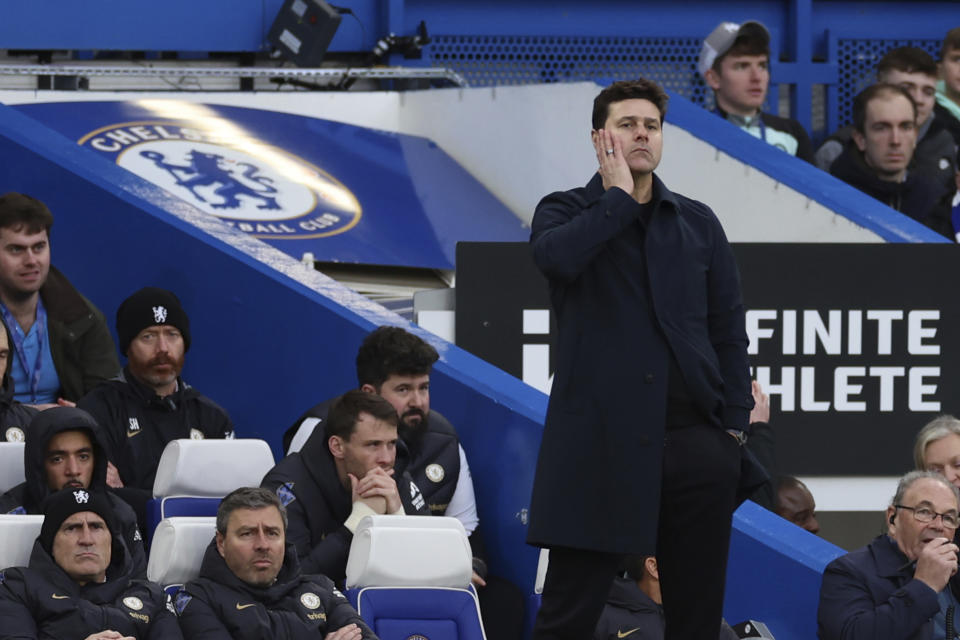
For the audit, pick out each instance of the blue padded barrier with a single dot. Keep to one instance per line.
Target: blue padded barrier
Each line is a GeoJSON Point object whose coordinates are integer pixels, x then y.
{"type": "Point", "coordinates": [774, 572]}
{"type": "Point", "coordinates": [175, 506]}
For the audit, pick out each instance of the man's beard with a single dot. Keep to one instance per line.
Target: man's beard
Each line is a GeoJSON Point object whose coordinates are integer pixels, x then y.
{"type": "Point", "coordinates": [412, 432]}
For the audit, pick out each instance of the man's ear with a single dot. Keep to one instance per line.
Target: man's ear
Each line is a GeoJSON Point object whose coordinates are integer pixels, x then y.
{"type": "Point", "coordinates": [712, 78]}
{"type": "Point", "coordinates": [369, 388]}
{"type": "Point", "coordinates": [335, 444]}
{"type": "Point", "coordinates": [593, 136]}
{"type": "Point", "coordinates": [891, 520]}
{"type": "Point", "coordinates": [220, 543]}
{"type": "Point", "coordinates": [859, 140]}
{"type": "Point", "coordinates": [650, 565]}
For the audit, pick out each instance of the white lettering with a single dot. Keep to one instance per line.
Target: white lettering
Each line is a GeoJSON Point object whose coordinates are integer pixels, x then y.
{"type": "Point", "coordinates": [884, 329]}
{"type": "Point", "coordinates": [754, 332]}
{"type": "Point", "coordinates": [917, 389]}
{"type": "Point", "coordinates": [842, 389]}
{"type": "Point", "coordinates": [854, 332]}
{"type": "Point", "coordinates": [807, 391]}
{"type": "Point", "coordinates": [814, 328]}
{"type": "Point", "coordinates": [102, 145]}
{"type": "Point", "coordinates": [887, 376]}
{"type": "Point", "coordinates": [787, 389]}
{"type": "Point", "coordinates": [916, 332]}
{"type": "Point", "coordinates": [789, 332]}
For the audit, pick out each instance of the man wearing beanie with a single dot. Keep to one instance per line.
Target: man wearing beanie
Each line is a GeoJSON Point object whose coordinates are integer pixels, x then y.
{"type": "Point", "coordinates": [65, 450]}
{"type": "Point", "coordinates": [149, 404]}
{"type": "Point", "coordinates": [80, 581]}
{"type": "Point", "coordinates": [61, 347]}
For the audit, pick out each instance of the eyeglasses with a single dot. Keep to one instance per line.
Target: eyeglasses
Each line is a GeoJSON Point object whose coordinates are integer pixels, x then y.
{"type": "Point", "coordinates": [924, 514]}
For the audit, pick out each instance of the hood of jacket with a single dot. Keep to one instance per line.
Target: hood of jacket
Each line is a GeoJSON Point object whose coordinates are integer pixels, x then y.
{"type": "Point", "coordinates": [44, 426]}
{"type": "Point", "coordinates": [215, 569]}
{"type": "Point", "coordinates": [625, 593]}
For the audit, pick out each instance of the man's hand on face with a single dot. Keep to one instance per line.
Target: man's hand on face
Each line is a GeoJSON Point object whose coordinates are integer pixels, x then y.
{"type": "Point", "coordinates": [113, 477]}
{"type": "Point", "coordinates": [347, 632]}
{"type": "Point", "coordinates": [936, 563]}
{"type": "Point", "coordinates": [109, 635]}
{"type": "Point", "coordinates": [613, 166]}
{"type": "Point", "coordinates": [378, 483]}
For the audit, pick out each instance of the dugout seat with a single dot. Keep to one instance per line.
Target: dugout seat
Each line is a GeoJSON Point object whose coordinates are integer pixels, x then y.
{"type": "Point", "coordinates": [17, 535]}
{"type": "Point", "coordinates": [194, 475]}
{"type": "Point", "coordinates": [533, 602]}
{"type": "Point", "coordinates": [177, 550]}
{"type": "Point", "coordinates": [409, 576]}
{"type": "Point", "coordinates": [11, 465]}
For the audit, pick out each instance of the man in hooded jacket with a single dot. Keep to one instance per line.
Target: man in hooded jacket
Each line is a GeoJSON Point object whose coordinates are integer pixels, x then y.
{"type": "Point", "coordinates": [250, 586]}
{"type": "Point", "coordinates": [81, 581]}
{"type": "Point", "coordinates": [85, 468]}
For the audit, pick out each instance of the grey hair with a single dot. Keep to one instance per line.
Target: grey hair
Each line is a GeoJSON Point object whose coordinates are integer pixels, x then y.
{"type": "Point", "coordinates": [939, 427]}
{"type": "Point", "coordinates": [907, 481]}
{"type": "Point", "coordinates": [248, 498]}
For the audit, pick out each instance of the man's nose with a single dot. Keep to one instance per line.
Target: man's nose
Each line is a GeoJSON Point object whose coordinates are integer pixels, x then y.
{"type": "Point", "coordinates": [72, 467]}
{"type": "Point", "coordinates": [86, 536]}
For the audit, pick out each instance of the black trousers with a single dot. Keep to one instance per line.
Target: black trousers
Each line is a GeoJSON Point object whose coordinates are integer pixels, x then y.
{"type": "Point", "coordinates": [701, 469]}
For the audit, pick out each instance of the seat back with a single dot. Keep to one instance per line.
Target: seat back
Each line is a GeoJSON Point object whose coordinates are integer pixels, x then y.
{"type": "Point", "coordinates": [204, 469]}
{"type": "Point", "coordinates": [409, 551]}
{"type": "Point", "coordinates": [11, 465]}
{"type": "Point", "coordinates": [437, 613]}
{"type": "Point", "coordinates": [17, 535]}
{"type": "Point", "coordinates": [177, 549]}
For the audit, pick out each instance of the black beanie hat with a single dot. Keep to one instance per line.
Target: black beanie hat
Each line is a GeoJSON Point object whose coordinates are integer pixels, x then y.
{"type": "Point", "coordinates": [150, 307]}
{"type": "Point", "coordinates": [63, 504]}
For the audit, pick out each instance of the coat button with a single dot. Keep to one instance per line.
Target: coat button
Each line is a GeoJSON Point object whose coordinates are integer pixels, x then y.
{"type": "Point", "coordinates": [649, 378]}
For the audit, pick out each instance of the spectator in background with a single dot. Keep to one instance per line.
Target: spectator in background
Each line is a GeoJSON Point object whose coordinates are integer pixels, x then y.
{"type": "Point", "coordinates": [14, 415]}
{"type": "Point", "coordinates": [61, 345]}
{"type": "Point", "coordinates": [149, 404]}
{"type": "Point", "coordinates": [81, 582]}
{"type": "Point", "coordinates": [948, 89]}
{"type": "Point", "coordinates": [915, 71]}
{"type": "Point", "coordinates": [796, 504]}
{"type": "Point", "coordinates": [250, 586]}
{"type": "Point", "coordinates": [889, 588]}
{"type": "Point", "coordinates": [735, 63]}
{"type": "Point", "coordinates": [884, 138]}
{"type": "Point", "coordinates": [353, 467]}
{"type": "Point", "coordinates": [65, 450]}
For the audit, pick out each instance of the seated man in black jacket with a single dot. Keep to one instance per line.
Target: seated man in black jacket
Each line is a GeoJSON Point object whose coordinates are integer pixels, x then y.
{"type": "Point", "coordinates": [80, 582]}
{"type": "Point", "coordinates": [879, 160]}
{"type": "Point", "coordinates": [250, 586]}
{"type": "Point", "coordinates": [65, 450]}
{"type": "Point", "coordinates": [352, 468]}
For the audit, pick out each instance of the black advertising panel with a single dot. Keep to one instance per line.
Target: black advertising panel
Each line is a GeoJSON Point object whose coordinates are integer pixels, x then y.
{"type": "Point", "coordinates": [857, 344]}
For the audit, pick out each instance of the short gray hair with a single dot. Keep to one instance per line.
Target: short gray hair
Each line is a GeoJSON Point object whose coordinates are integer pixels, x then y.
{"type": "Point", "coordinates": [248, 498]}
{"type": "Point", "coordinates": [939, 427]}
{"type": "Point", "coordinates": [907, 481]}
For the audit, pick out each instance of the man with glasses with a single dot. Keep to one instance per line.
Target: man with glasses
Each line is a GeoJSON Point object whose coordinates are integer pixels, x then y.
{"type": "Point", "coordinates": [895, 587]}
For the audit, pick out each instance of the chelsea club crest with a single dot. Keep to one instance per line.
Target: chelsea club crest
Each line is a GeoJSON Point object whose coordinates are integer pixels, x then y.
{"type": "Point", "coordinates": [257, 188]}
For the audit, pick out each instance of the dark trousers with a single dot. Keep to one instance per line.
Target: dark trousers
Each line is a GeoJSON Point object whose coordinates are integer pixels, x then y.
{"type": "Point", "coordinates": [701, 467]}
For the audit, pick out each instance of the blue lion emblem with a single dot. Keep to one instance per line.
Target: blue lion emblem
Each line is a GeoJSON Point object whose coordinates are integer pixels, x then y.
{"type": "Point", "coordinates": [206, 169]}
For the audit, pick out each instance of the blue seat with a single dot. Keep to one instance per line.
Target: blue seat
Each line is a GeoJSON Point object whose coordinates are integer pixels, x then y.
{"type": "Point", "coordinates": [437, 613]}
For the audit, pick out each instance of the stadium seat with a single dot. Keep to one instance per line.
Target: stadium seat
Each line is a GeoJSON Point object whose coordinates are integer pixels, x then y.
{"type": "Point", "coordinates": [409, 576]}
{"type": "Point", "coordinates": [193, 475]}
{"type": "Point", "coordinates": [11, 465]}
{"type": "Point", "coordinates": [177, 550]}
{"type": "Point", "coordinates": [533, 602]}
{"type": "Point", "coordinates": [18, 533]}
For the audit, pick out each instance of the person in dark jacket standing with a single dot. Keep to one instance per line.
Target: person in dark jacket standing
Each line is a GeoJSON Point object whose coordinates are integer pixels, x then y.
{"type": "Point", "coordinates": [250, 586]}
{"type": "Point", "coordinates": [878, 161]}
{"type": "Point", "coordinates": [65, 450]}
{"type": "Point", "coordinates": [352, 468]}
{"type": "Point", "coordinates": [888, 590]}
{"type": "Point", "coordinates": [651, 397]}
{"type": "Point", "coordinates": [149, 404]}
{"type": "Point", "coordinates": [14, 415]}
{"type": "Point", "coordinates": [80, 582]}
{"type": "Point", "coordinates": [61, 344]}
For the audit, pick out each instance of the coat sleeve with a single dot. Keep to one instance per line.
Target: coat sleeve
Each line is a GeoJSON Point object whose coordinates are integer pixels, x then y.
{"type": "Point", "coordinates": [165, 627]}
{"type": "Point", "coordinates": [329, 555]}
{"type": "Point", "coordinates": [198, 621]}
{"type": "Point", "coordinates": [340, 613]}
{"type": "Point", "coordinates": [726, 324]}
{"type": "Point", "coordinates": [567, 233]}
{"type": "Point", "coordinates": [848, 612]}
{"type": "Point", "coordinates": [16, 621]}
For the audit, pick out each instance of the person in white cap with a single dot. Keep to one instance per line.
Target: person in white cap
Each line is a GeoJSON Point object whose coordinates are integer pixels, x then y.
{"type": "Point", "coordinates": [735, 63]}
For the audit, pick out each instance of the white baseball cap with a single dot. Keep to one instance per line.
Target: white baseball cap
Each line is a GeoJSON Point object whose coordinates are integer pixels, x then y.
{"type": "Point", "coordinates": [722, 38]}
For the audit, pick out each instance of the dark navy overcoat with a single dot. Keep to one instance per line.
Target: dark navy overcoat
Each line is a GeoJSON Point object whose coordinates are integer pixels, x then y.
{"type": "Point", "coordinates": [625, 294]}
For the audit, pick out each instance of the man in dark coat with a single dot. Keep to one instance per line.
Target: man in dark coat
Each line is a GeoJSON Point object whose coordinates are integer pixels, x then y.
{"type": "Point", "coordinates": [353, 467]}
{"type": "Point", "coordinates": [80, 582]}
{"type": "Point", "coordinates": [250, 586]}
{"type": "Point", "coordinates": [888, 590]}
{"type": "Point", "coordinates": [650, 402]}
{"type": "Point", "coordinates": [65, 450]}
